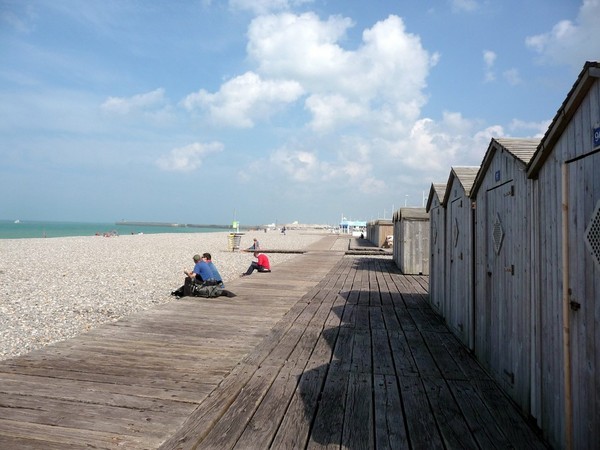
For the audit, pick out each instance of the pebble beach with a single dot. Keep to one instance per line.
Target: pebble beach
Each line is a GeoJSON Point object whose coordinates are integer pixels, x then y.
{"type": "Point", "coordinates": [57, 288]}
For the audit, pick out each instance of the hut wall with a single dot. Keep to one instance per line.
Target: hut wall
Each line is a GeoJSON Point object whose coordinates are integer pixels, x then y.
{"type": "Point", "coordinates": [503, 305]}
{"type": "Point", "coordinates": [411, 243]}
{"type": "Point", "coordinates": [458, 307]}
{"type": "Point", "coordinates": [437, 244]}
{"type": "Point", "coordinates": [574, 149]}
{"type": "Point", "coordinates": [377, 232]}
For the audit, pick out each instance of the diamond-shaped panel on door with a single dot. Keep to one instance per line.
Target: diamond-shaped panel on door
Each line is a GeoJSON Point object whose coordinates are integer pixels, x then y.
{"type": "Point", "coordinates": [498, 234]}
{"type": "Point", "coordinates": [591, 236]}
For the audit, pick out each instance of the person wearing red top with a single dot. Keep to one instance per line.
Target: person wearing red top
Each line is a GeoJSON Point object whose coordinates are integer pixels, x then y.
{"type": "Point", "coordinates": [262, 264]}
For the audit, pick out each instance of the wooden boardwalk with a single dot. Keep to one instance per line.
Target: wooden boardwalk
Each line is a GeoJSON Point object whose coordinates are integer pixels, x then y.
{"type": "Point", "coordinates": [327, 351]}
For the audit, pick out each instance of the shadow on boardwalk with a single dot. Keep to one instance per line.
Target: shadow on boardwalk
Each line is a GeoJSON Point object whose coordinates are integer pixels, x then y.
{"type": "Point", "coordinates": [397, 378]}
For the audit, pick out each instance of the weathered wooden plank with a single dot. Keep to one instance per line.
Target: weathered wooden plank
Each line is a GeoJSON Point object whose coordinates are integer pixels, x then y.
{"type": "Point", "coordinates": [511, 422]}
{"type": "Point", "coordinates": [225, 433]}
{"type": "Point", "coordinates": [361, 351]}
{"type": "Point", "coordinates": [39, 436]}
{"type": "Point", "coordinates": [423, 359]}
{"type": "Point", "coordinates": [358, 419]}
{"type": "Point", "coordinates": [420, 422]}
{"type": "Point", "coordinates": [449, 368]}
{"type": "Point", "coordinates": [149, 421]}
{"type": "Point", "coordinates": [462, 357]}
{"type": "Point", "coordinates": [403, 358]}
{"type": "Point", "coordinates": [390, 429]}
{"type": "Point", "coordinates": [477, 415]}
{"type": "Point", "coordinates": [376, 320]}
{"type": "Point", "coordinates": [295, 427]}
{"type": "Point", "coordinates": [383, 361]}
{"type": "Point", "coordinates": [452, 425]}
{"type": "Point", "coordinates": [261, 428]}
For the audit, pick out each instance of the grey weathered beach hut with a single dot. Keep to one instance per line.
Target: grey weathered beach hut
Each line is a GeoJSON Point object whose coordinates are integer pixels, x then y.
{"type": "Point", "coordinates": [504, 308]}
{"type": "Point", "coordinates": [458, 305]}
{"type": "Point", "coordinates": [437, 245]}
{"type": "Point", "coordinates": [566, 268]}
{"type": "Point", "coordinates": [378, 230]}
{"type": "Point", "coordinates": [411, 241]}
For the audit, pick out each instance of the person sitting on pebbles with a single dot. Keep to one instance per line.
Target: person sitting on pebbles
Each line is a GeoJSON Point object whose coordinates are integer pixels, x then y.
{"type": "Point", "coordinates": [255, 246]}
{"type": "Point", "coordinates": [262, 264]}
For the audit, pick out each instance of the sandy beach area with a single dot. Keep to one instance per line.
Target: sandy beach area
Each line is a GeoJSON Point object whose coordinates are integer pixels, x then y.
{"type": "Point", "coordinates": [54, 289]}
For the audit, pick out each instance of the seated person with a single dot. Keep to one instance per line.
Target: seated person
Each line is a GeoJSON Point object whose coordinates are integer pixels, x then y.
{"type": "Point", "coordinates": [255, 245]}
{"type": "Point", "coordinates": [201, 273]}
{"type": "Point", "coordinates": [262, 264]}
{"type": "Point", "coordinates": [215, 275]}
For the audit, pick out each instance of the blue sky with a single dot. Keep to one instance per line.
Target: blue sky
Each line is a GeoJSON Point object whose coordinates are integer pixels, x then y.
{"type": "Point", "coordinates": [269, 110]}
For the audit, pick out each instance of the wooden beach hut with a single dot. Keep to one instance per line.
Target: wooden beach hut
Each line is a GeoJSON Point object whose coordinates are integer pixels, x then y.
{"type": "Point", "coordinates": [378, 230]}
{"type": "Point", "coordinates": [504, 309]}
{"type": "Point", "coordinates": [566, 268]}
{"type": "Point", "coordinates": [458, 305]}
{"type": "Point", "coordinates": [437, 245]}
{"type": "Point", "coordinates": [411, 241]}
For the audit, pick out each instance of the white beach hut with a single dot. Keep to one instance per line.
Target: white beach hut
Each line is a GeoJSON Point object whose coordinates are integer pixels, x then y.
{"type": "Point", "coordinates": [566, 265]}
{"type": "Point", "coordinates": [458, 306]}
{"type": "Point", "coordinates": [437, 245]}
{"type": "Point", "coordinates": [504, 308]}
{"type": "Point", "coordinates": [411, 241]}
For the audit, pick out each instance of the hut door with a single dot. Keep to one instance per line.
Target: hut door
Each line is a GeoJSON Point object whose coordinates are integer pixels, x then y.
{"type": "Point", "coordinates": [584, 286]}
{"type": "Point", "coordinates": [436, 245]}
{"type": "Point", "coordinates": [458, 305]}
{"type": "Point", "coordinates": [506, 345]}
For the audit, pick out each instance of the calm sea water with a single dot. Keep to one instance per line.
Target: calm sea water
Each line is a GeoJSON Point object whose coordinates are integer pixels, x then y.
{"type": "Point", "coordinates": [33, 229]}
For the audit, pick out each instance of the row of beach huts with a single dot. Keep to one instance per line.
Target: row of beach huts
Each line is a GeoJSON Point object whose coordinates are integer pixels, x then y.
{"type": "Point", "coordinates": [512, 249]}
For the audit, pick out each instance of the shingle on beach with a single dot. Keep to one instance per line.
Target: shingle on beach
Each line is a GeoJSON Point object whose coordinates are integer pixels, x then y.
{"type": "Point", "coordinates": [57, 288]}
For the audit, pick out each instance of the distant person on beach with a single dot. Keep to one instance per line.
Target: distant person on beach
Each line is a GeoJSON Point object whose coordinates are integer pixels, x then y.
{"type": "Point", "coordinates": [255, 245]}
{"type": "Point", "coordinates": [262, 264]}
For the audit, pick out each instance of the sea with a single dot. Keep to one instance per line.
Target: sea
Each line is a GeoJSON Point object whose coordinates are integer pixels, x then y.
{"type": "Point", "coordinates": [25, 229]}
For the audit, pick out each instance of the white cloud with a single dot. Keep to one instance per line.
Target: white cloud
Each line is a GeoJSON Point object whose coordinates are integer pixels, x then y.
{"type": "Point", "coordinates": [532, 129]}
{"type": "Point", "coordinates": [298, 165]}
{"type": "Point", "coordinates": [266, 6]}
{"type": "Point", "coordinates": [464, 5]}
{"type": "Point", "coordinates": [140, 102]}
{"type": "Point", "coordinates": [327, 110]}
{"type": "Point", "coordinates": [571, 42]}
{"type": "Point", "coordinates": [244, 99]}
{"type": "Point", "coordinates": [188, 158]}
{"type": "Point", "coordinates": [489, 58]}
{"type": "Point", "coordinates": [386, 75]}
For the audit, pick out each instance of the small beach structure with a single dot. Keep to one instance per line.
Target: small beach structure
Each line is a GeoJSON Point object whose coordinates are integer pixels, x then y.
{"type": "Point", "coordinates": [411, 241]}
{"type": "Point", "coordinates": [352, 227]}
{"type": "Point", "coordinates": [378, 230]}
{"type": "Point", "coordinates": [504, 310]}
{"type": "Point", "coordinates": [566, 268]}
{"type": "Point", "coordinates": [437, 245]}
{"type": "Point", "coordinates": [458, 305]}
